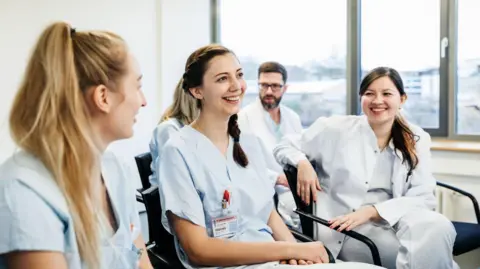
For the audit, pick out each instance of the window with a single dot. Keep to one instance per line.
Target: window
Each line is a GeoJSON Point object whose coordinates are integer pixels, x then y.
{"type": "Point", "coordinates": [468, 69]}
{"type": "Point", "coordinates": [308, 39]}
{"type": "Point", "coordinates": [409, 44]}
{"type": "Point", "coordinates": [329, 45]}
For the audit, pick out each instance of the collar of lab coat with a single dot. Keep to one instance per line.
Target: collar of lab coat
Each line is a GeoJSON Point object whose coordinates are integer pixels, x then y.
{"type": "Point", "coordinates": [372, 139]}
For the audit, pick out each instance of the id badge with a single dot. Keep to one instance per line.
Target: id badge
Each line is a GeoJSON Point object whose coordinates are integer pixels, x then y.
{"type": "Point", "coordinates": [225, 226]}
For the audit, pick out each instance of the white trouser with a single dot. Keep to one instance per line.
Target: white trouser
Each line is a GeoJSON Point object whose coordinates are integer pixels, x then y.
{"type": "Point", "coordinates": [422, 239]}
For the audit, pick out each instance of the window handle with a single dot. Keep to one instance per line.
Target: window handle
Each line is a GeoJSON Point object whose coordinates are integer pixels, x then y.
{"type": "Point", "coordinates": [443, 47]}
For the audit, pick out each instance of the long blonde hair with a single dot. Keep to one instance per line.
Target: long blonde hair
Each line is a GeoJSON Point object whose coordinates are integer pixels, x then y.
{"type": "Point", "coordinates": [50, 119]}
{"type": "Point", "coordinates": [184, 107]}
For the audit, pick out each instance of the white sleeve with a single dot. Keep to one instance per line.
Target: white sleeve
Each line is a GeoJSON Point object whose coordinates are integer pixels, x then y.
{"type": "Point", "coordinates": [303, 146]}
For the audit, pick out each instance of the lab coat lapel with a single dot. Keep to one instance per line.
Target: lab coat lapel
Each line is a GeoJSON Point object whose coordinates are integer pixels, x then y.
{"type": "Point", "coordinates": [369, 148]}
{"type": "Point", "coordinates": [261, 128]}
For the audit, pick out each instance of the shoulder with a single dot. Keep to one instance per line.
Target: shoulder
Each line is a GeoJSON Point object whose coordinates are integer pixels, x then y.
{"type": "Point", "coordinates": [29, 172]}
{"type": "Point", "coordinates": [182, 143]}
{"type": "Point", "coordinates": [110, 158]}
{"type": "Point", "coordinates": [22, 163]}
{"type": "Point", "coordinates": [290, 112]}
{"type": "Point", "coordinates": [422, 137]}
{"type": "Point", "coordinates": [32, 207]}
{"type": "Point", "coordinates": [417, 130]}
{"type": "Point", "coordinates": [248, 108]}
{"type": "Point", "coordinates": [339, 123]}
{"type": "Point", "coordinates": [249, 111]}
{"type": "Point", "coordinates": [251, 143]}
{"type": "Point", "coordinates": [19, 173]}
{"type": "Point", "coordinates": [167, 126]}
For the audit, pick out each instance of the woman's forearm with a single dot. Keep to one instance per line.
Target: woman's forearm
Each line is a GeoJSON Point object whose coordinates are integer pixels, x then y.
{"type": "Point", "coordinates": [218, 252]}
{"type": "Point", "coordinates": [144, 262]}
{"type": "Point", "coordinates": [279, 228]}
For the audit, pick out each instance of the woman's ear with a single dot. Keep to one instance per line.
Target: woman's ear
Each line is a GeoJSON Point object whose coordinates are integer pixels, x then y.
{"type": "Point", "coordinates": [197, 92]}
{"type": "Point", "coordinates": [99, 98]}
{"type": "Point", "coordinates": [403, 99]}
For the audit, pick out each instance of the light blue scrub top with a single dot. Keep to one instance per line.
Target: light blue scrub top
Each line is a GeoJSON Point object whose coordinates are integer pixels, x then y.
{"type": "Point", "coordinates": [195, 175]}
{"type": "Point", "coordinates": [34, 213]}
{"type": "Point", "coordinates": [161, 134]}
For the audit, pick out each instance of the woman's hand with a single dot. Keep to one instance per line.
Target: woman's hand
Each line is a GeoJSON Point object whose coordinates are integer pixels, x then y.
{"type": "Point", "coordinates": [295, 262]}
{"type": "Point", "coordinates": [313, 252]}
{"type": "Point", "coordinates": [355, 219]}
{"type": "Point", "coordinates": [307, 182]}
{"type": "Point", "coordinates": [282, 180]}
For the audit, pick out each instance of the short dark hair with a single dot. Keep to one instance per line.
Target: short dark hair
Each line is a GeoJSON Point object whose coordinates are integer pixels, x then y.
{"type": "Point", "coordinates": [273, 67]}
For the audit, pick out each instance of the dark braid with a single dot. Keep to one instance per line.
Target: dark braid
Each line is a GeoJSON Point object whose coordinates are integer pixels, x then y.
{"type": "Point", "coordinates": [238, 154]}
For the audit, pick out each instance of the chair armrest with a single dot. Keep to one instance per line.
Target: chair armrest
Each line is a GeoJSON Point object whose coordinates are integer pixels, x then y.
{"type": "Point", "coordinates": [139, 198]}
{"type": "Point", "coordinates": [367, 241]}
{"type": "Point", "coordinates": [469, 195]}
{"type": "Point", "coordinates": [301, 237]}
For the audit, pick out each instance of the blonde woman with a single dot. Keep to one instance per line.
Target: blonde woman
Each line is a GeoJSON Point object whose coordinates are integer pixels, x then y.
{"type": "Point", "coordinates": [181, 112]}
{"type": "Point", "coordinates": [64, 201]}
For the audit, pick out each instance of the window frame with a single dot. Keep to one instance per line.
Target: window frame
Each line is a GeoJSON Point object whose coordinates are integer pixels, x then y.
{"type": "Point", "coordinates": [447, 68]}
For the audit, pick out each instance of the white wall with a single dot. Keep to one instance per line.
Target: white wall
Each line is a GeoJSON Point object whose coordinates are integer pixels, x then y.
{"type": "Point", "coordinates": [161, 33]}
{"type": "Point", "coordinates": [185, 26]}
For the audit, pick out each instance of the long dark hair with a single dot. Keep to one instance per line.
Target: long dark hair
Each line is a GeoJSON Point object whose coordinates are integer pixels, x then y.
{"type": "Point", "coordinates": [402, 136]}
{"type": "Point", "coordinates": [195, 68]}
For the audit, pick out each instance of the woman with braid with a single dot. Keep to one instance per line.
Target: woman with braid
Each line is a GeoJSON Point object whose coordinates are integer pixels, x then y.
{"type": "Point", "coordinates": [215, 188]}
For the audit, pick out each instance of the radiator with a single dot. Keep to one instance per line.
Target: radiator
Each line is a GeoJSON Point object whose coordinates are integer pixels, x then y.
{"type": "Point", "coordinates": [454, 206]}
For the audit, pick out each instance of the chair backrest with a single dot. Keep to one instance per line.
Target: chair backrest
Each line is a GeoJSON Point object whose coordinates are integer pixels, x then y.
{"type": "Point", "coordinates": [144, 161]}
{"type": "Point", "coordinates": [307, 224]}
{"type": "Point", "coordinates": [163, 240]}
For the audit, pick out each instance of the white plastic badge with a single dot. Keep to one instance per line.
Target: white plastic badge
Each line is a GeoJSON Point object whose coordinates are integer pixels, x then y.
{"type": "Point", "coordinates": [226, 226]}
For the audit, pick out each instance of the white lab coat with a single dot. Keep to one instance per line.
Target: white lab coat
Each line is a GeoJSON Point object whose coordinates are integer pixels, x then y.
{"type": "Point", "coordinates": [252, 118]}
{"type": "Point", "coordinates": [345, 148]}
{"type": "Point", "coordinates": [256, 120]}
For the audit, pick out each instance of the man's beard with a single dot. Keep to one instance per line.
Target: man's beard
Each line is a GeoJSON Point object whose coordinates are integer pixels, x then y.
{"type": "Point", "coordinates": [268, 105]}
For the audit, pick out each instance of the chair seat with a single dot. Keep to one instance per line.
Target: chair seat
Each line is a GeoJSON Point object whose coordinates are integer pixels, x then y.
{"type": "Point", "coordinates": [468, 237]}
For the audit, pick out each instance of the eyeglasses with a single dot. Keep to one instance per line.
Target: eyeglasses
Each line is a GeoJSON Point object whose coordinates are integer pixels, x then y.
{"type": "Point", "coordinates": [275, 87]}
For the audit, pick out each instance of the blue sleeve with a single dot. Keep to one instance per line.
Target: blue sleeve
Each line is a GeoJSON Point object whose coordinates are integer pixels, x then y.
{"type": "Point", "coordinates": [27, 223]}
{"type": "Point", "coordinates": [177, 191]}
{"type": "Point", "coordinates": [161, 134]}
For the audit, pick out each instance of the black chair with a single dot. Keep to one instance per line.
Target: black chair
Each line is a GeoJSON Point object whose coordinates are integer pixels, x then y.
{"type": "Point", "coordinates": [160, 246]}
{"type": "Point", "coordinates": [302, 237]}
{"type": "Point", "coordinates": [307, 219]}
{"type": "Point", "coordinates": [144, 161]}
{"type": "Point", "coordinates": [468, 234]}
